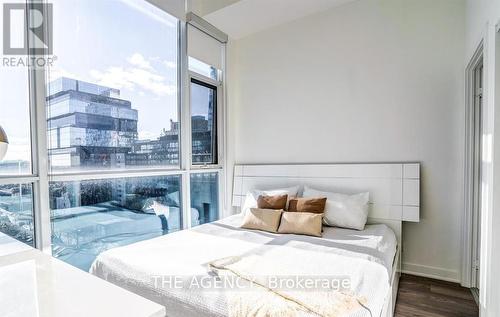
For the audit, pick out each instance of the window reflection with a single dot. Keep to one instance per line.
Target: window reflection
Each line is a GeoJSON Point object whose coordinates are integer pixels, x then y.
{"type": "Point", "coordinates": [91, 216]}
{"type": "Point", "coordinates": [203, 123]}
{"type": "Point", "coordinates": [16, 212]}
{"type": "Point", "coordinates": [205, 197]}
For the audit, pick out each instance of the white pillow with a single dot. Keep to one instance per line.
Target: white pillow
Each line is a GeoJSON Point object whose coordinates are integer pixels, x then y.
{"type": "Point", "coordinates": [346, 211]}
{"type": "Point", "coordinates": [253, 195]}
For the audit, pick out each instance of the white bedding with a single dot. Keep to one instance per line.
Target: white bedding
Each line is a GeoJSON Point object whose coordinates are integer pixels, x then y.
{"type": "Point", "coordinates": [138, 267]}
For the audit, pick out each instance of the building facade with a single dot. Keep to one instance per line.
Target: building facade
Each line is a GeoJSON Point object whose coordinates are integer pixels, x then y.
{"type": "Point", "coordinates": [89, 126]}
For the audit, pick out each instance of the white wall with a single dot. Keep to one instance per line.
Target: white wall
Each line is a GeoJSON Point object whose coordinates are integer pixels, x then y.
{"type": "Point", "coordinates": [481, 19]}
{"type": "Point", "coordinates": [370, 81]}
{"type": "Point", "coordinates": [479, 13]}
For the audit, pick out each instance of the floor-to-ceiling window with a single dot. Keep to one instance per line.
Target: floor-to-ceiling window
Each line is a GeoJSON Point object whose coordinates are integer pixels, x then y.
{"type": "Point", "coordinates": [205, 80]}
{"type": "Point", "coordinates": [128, 155]}
{"type": "Point", "coordinates": [112, 108]}
{"type": "Point", "coordinates": [204, 105]}
{"type": "Point", "coordinates": [17, 173]}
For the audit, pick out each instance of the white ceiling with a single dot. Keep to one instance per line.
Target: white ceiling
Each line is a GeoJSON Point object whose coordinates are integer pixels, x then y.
{"type": "Point", "coordinates": [246, 17]}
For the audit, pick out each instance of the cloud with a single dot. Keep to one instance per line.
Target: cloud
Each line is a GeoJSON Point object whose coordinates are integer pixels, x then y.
{"type": "Point", "coordinates": [139, 61]}
{"type": "Point", "coordinates": [137, 75]}
{"type": "Point", "coordinates": [170, 64]}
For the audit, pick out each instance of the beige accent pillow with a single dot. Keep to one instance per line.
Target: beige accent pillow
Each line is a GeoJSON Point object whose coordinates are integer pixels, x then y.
{"type": "Point", "coordinates": [262, 219]}
{"type": "Point", "coordinates": [306, 223]}
{"type": "Point", "coordinates": [272, 202]}
{"type": "Point", "coordinates": [314, 205]}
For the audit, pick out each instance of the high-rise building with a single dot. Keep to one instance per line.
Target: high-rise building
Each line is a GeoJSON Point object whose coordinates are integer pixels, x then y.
{"type": "Point", "coordinates": [88, 125]}
{"type": "Point", "coordinates": [164, 150]}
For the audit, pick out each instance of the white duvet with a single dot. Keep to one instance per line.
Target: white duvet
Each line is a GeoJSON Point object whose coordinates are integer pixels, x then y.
{"type": "Point", "coordinates": [172, 270]}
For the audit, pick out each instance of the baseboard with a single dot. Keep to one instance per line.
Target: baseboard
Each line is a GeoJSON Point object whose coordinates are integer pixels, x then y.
{"type": "Point", "coordinates": [437, 273]}
{"type": "Point", "coordinates": [475, 294]}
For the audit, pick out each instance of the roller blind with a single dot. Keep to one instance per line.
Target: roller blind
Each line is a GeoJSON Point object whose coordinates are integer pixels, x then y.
{"type": "Point", "coordinates": [204, 47]}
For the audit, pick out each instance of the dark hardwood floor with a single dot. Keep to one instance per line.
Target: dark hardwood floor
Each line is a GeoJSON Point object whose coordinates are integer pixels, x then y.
{"type": "Point", "coordinates": [420, 296]}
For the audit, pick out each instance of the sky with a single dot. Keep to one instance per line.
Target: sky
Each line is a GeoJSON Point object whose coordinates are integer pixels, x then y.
{"type": "Point", "coordinates": [129, 45]}
{"type": "Point", "coordinates": [14, 111]}
{"type": "Point", "coordinates": [125, 44]}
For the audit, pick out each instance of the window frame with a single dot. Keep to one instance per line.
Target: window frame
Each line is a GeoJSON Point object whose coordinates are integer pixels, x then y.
{"type": "Point", "coordinates": [37, 176]}
{"type": "Point", "coordinates": [41, 176]}
{"type": "Point", "coordinates": [220, 83]}
{"type": "Point", "coordinates": [217, 85]}
{"type": "Point", "coordinates": [220, 167]}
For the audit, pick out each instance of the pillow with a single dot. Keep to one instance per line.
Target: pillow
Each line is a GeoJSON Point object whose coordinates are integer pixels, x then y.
{"type": "Point", "coordinates": [314, 205]}
{"type": "Point", "coordinates": [306, 223]}
{"type": "Point", "coordinates": [346, 211]}
{"type": "Point", "coordinates": [272, 202]}
{"type": "Point", "coordinates": [253, 195]}
{"type": "Point", "coordinates": [262, 219]}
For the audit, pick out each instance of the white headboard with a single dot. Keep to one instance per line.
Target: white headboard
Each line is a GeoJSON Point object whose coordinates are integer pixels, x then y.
{"type": "Point", "coordinates": [394, 188]}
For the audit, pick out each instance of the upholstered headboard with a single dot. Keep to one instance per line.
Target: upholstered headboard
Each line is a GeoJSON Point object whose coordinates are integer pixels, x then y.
{"type": "Point", "coordinates": [394, 187]}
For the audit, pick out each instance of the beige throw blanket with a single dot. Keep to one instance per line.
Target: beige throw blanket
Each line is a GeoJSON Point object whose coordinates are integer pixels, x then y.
{"type": "Point", "coordinates": [274, 274]}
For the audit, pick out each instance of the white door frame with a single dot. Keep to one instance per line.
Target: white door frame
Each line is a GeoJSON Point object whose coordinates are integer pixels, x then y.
{"type": "Point", "coordinates": [472, 194]}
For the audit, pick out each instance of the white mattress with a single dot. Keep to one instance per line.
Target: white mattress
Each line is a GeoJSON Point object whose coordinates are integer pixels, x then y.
{"type": "Point", "coordinates": [186, 253]}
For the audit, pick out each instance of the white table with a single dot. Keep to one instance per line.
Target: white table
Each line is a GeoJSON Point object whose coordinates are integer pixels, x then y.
{"type": "Point", "coordinates": [10, 245]}
{"type": "Point", "coordinates": [34, 284]}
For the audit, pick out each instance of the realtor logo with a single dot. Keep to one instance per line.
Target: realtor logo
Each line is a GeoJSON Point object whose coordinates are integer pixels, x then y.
{"type": "Point", "coordinates": [17, 33]}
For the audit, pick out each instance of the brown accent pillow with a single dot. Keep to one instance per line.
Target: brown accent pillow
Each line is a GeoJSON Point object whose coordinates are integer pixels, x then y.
{"type": "Point", "coordinates": [314, 205]}
{"type": "Point", "coordinates": [262, 219]}
{"type": "Point", "coordinates": [306, 223]}
{"type": "Point", "coordinates": [272, 202]}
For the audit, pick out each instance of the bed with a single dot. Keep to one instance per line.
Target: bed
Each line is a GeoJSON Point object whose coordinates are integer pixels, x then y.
{"type": "Point", "coordinates": [163, 269]}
